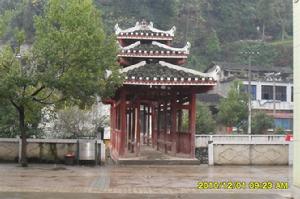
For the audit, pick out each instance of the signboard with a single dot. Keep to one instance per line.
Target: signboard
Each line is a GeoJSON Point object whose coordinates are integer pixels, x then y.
{"type": "Point", "coordinates": [106, 133]}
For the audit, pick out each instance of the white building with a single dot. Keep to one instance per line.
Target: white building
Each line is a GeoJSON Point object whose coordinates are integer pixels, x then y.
{"type": "Point", "coordinates": [264, 81]}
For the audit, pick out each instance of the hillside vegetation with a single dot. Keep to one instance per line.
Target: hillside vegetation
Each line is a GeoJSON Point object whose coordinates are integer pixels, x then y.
{"type": "Point", "coordinates": [217, 29]}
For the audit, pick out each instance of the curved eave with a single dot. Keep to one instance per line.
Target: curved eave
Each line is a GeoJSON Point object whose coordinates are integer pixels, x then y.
{"type": "Point", "coordinates": [157, 49]}
{"type": "Point", "coordinates": [135, 37]}
{"type": "Point", "coordinates": [142, 26]}
{"type": "Point", "coordinates": [148, 55]}
{"type": "Point", "coordinates": [170, 83]}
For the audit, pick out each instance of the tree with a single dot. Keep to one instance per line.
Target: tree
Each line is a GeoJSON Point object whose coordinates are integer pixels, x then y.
{"type": "Point", "coordinates": [233, 20]}
{"type": "Point", "coordinates": [283, 12]}
{"type": "Point", "coordinates": [8, 124]}
{"type": "Point", "coordinates": [66, 64]}
{"type": "Point", "coordinates": [127, 12]}
{"type": "Point", "coordinates": [73, 122]}
{"type": "Point", "coordinates": [261, 122]}
{"type": "Point", "coordinates": [265, 15]}
{"type": "Point", "coordinates": [19, 14]}
{"type": "Point", "coordinates": [204, 120]}
{"type": "Point", "coordinates": [233, 110]}
{"type": "Point", "coordinates": [9, 127]}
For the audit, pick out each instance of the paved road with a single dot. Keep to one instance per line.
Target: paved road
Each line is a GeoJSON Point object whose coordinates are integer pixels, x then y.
{"type": "Point", "coordinates": [136, 196]}
{"type": "Point", "coordinates": [172, 180]}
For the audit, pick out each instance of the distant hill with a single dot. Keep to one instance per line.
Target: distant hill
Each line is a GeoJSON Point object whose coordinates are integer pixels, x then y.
{"type": "Point", "coordinates": [217, 30]}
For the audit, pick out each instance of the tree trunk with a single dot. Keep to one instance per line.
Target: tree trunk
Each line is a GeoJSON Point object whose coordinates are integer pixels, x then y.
{"type": "Point", "coordinates": [263, 32]}
{"type": "Point", "coordinates": [282, 31]}
{"type": "Point", "coordinates": [23, 136]}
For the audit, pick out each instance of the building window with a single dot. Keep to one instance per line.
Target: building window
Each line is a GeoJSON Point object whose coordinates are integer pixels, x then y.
{"type": "Point", "coordinates": [292, 94]}
{"type": "Point", "coordinates": [226, 73]}
{"type": "Point", "coordinates": [284, 123]}
{"type": "Point", "coordinates": [266, 92]}
{"type": "Point", "coordinates": [281, 93]}
{"type": "Point", "coordinates": [253, 91]}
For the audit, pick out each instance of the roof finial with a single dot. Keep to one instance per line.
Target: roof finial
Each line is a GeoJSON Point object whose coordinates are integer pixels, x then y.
{"type": "Point", "coordinates": [144, 22]}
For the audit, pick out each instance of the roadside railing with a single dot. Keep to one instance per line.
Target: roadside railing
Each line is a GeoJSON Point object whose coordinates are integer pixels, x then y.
{"type": "Point", "coordinates": [202, 140]}
{"type": "Point", "coordinates": [52, 149]}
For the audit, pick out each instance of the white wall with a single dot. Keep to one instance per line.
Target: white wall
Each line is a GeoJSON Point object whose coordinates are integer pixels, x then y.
{"type": "Point", "coordinates": [296, 37]}
{"type": "Point", "coordinates": [251, 154]}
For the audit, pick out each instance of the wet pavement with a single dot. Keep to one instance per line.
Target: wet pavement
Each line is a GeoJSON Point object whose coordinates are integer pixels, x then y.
{"type": "Point", "coordinates": [137, 196]}
{"type": "Point", "coordinates": [134, 181]}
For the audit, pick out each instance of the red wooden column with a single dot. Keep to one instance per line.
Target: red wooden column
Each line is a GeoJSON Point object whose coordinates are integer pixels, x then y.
{"type": "Point", "coordinates": [112, 128]}
{"type": "Point", "coordinates": [154, 125]}
{"type": "Point", "coordinates": [192, 119]}
{"type": "Point", "coordinates": [159, 126]}
{"type": "Point", "coordinates": [165, 126]}
{"type": "Point", "coordinates": [173, 124]}
{"type": "Point", "coordinates": [138, 127]}
{"type": "Point", "coordinates": [179, 110]}
{"type": "Point", "coordinates": [148, 124]}
{"type": "Point", "coordinates": [123, 132]}
{"type": "Point", "coordinates": [112, 119]}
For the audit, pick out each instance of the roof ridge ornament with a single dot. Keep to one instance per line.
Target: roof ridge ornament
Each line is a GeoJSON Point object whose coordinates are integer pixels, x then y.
{"type": "Point", "coordinates": [185, 49]}
{"type": "Point", "coordinates": [125, 70]}
{"type": "Point", "coordinates": [144, 26]}
{"type": "Point", "coordinates": [150, 24]}
{"type": "Point", "coordinates": [117, 29]}
{"type": "Point", "coordinates": [135, 44]}
{"type": "Point", "coordinates": [213, 74]}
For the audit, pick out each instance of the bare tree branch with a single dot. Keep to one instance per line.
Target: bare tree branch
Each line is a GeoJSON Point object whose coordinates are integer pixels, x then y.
{"type": "Point", "coordinates": [41, 102]}
{"type": "Point", "coordinates": [14, 104]}
{"type": "Point", "coordinates": [37, 91]}
{"type": "Point", "coordinates": [42, 99]}
{"type": "Point", "coordinates": [47, 103]}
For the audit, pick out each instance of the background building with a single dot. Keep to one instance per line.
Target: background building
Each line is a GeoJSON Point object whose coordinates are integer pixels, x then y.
{"type": "Point", "coordinates": [271, 89]}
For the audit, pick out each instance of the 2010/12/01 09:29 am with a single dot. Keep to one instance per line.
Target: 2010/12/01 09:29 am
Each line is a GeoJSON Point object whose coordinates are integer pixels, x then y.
{"type": "Point", "coordinates": [242, 185]}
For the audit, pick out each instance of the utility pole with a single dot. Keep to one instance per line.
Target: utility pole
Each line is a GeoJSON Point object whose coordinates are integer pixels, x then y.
{"type": "Point", "coordinates": [249, 53]}
{"type": "Point", "coordinates": [249, 95]}
{"type": "Point", "coordinates": [274, 96]}
{"type": "Point", "coordinates": [272, 77]}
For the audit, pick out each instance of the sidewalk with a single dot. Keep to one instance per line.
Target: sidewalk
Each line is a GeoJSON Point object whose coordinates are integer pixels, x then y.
{"type": "Point", "coordinates": [142, 179]}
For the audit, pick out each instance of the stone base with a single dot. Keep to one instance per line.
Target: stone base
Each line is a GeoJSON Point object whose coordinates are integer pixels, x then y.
{"type": "Point", "coordinates": [150, 156]}
{"type": "Point", "coordinates": [158, 162]}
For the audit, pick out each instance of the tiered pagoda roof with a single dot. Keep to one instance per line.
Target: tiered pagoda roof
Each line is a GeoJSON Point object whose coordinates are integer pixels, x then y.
{"type": "Point", "coordinates": [155, 50]}
{"type": "Point", "coordinates": [163, 73]}
{"type": "Point", "coordinates": [148, 59]}
{"type": "Point", "coordinates": [144, 31]}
